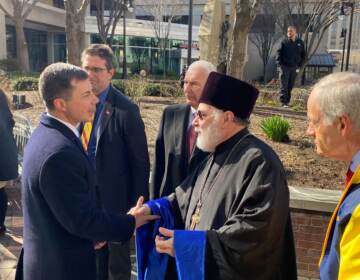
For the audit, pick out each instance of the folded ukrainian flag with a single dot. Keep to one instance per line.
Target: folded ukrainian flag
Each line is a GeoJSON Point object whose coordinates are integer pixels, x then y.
{"type": "Point", "coordinates": [189, 247]}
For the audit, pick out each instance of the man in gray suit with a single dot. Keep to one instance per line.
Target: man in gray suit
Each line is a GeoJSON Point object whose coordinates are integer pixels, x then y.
{"type": "Point", "coordinates": [175, 153]}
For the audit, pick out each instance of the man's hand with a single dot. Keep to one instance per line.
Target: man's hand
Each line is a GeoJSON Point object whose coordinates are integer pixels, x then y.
{"type": "Point", "coordinates": [165, 245]}
{"type": "Point", "coordinates": [99, 245]}
{"type": "Point", "coordinates": [142, 213]}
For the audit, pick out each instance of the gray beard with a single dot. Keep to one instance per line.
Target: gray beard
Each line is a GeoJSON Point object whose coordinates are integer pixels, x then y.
{"type": "Point", "coordinates": [209, 139]}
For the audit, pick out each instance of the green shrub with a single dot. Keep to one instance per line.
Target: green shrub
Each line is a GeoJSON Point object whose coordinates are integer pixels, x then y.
{"type": "Point", "coordinates": [25, 83]}
{"type": "Point", "coordinates": [119, 84]}
{"type": "Point", "coordinates": [152, 89]}
{"type": "Point", "coordinates": [276, 128]}
{"type": "Point", "coordinates": [171, 90]}
{"type": "Point", "coordinates": [137, 87]}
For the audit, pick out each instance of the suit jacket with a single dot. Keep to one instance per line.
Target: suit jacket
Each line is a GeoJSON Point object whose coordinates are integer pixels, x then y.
{"type": "Point", "coordinates": [61, 219]}
{"type": "Point", "coordinates": [172, 165]}
{"type": "Point", "coordinates": [122, 159]}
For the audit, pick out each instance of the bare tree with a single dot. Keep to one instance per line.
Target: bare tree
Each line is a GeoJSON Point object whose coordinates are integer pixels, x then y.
{"type": "Point", "coordinates": [108, 14]}
{"type": "Point", "coordinates": [164, 13]}
{"type": "Point", "coordinates": [265, 35]}
{"type": "Point", "coordinates": [311, 18]}
{"type": "Point", "coordinates": [243, 15]}
{"type": "Point", "coordinates": [20, 11]}
{"type": "Point", "coordinates": [75, 23]}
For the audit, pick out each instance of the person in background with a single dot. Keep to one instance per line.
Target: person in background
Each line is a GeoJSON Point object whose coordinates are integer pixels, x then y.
{"type": "Point", "coordinates": [116, 145]}
{"type": "Point", "coordinates": [333, 111]}
{"type": "Point", "coordinates": [290, 56]}
{"type": "Point", "coordinates": [176, 154]}
{"type": "Point", "coordinates": [8, 156]}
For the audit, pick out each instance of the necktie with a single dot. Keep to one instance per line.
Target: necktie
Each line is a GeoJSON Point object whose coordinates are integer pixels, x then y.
{"type": "Point", "coordinates": [85, 135]}
{"type": "Point", "coordinates": [191, 139]}
{"type": "Point", "coordinates": [349, 174]}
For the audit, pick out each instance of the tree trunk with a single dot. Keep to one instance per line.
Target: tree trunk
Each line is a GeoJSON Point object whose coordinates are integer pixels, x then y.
{"type": "Point", "coordinates": [22, 52]}
{"type": "Point", "coordinates": [244, 14]}
{"type": "Point", "coordinates": [75, 38]}
{"type": "Point", "coordinates": [237, 55]}
{"type": "Point", "coordinates": [75, 25]}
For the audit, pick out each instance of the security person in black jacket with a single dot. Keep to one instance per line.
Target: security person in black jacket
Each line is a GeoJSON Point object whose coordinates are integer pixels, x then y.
{"type": "Point", "coordinates": [290, 56]}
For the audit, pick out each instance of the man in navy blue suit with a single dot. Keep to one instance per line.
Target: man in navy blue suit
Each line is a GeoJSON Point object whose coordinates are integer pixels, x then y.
{"type": "Point", "coordinates": [117, 148]}
{"type": "Point", "coordinates": [62, 222]}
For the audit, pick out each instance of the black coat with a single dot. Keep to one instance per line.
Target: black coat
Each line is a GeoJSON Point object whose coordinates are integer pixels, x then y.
{"type": "Point", "coordinates": [8, 149]}
{"type": "Point", "coordinates": [291, 53]}
{"type": "Point", "coordinates": [245, 211]}
{"type": "Point", "coordinates": [122, 159]}
{"type": "Point", "coordinates": [171, 165]}
{"type": "Point", "coordinates": [61, 219]}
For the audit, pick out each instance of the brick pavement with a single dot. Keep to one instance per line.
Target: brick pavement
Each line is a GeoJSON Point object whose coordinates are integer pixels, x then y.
{"type": "Point", "coordinates": [10, 244]}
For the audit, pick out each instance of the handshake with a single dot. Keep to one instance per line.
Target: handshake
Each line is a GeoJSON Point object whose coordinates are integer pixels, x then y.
{"type": "Point", "coordinates": [142, 213]}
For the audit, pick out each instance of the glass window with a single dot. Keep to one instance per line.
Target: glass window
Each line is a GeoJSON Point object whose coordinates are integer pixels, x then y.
{"type": "Point", "coordinates": [10, 41]}
{"type": "Point", "coordinates": [59, 47]}
{"type": "Point", "coordinates": [59, 4]}
{"type": "Point", "coordinates": [37, 47]}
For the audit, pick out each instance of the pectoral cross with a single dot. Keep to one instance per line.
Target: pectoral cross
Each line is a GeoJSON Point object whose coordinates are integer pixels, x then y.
{"type": "Point", "coordinates": [195, 218]}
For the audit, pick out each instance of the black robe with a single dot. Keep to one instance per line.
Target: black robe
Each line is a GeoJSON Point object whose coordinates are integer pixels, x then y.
{"type": "Point", "coordinates": [245, 211]}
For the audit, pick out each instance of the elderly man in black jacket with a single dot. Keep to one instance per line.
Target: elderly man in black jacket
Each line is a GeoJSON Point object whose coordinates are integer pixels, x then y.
{"type": "Point", "coordinates": [290, 56]}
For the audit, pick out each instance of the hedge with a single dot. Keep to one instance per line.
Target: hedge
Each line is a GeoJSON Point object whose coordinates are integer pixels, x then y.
{"type": "Point", "coordinates": [25, 83]}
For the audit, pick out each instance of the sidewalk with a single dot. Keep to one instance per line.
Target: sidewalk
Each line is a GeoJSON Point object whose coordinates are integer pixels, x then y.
{"type": "Point", "coordinates": [10, 244]}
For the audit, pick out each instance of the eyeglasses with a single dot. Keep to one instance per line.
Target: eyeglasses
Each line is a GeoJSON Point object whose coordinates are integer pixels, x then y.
{"type": "Point", "coordinates": [96, 70]}
{"type": "Point", "coordinates": [201, 114]}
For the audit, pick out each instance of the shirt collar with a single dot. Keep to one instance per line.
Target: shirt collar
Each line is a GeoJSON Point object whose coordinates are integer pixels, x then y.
{"type": "Point", "coordinates": [102, 96]}
{"type": "Point", "coordinates": [69, 125]}
{"type": "Point", "coordinates": [355, 162]}
{"type": "Point", "coordinates": [192, 113]}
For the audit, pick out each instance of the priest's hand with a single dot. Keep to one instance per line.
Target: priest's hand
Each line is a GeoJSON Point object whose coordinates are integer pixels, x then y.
{"type": "Point", "coordinates": [142, 213]}
{"type": "Point", "coordinates": [165, 245]}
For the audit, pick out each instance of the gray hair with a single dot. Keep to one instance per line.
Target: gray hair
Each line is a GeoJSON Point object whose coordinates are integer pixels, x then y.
{"type": "Point", "coordinates": [338, 94]}
{"type": "Point", "coordinates": [203, 64]}
{"type": "Point", "coordinates": [55, 82]}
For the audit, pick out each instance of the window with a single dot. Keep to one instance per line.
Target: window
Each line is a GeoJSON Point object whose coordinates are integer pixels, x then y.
{"type": "Point", "coordinates": [151, 18]}
{"type": "Point", "coordinates": [263, 24]}
{"type": "Point", "coordinates": [10, 41]}
{"type": "Point", "coordinates": [59, 4]}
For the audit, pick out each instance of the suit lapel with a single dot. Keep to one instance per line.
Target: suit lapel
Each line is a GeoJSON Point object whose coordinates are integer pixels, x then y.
{"type": "Point", "coordinates": [105, 116]}
{"type": "Point", "coordinates": [181, 123]}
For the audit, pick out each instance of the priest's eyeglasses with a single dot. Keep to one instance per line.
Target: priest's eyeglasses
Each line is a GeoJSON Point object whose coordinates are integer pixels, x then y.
{"type": "Point", "coordinates": [201, 114]}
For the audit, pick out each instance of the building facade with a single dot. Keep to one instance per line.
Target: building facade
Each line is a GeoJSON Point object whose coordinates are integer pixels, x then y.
{"type": "Point", "coordinates": [45, 36]}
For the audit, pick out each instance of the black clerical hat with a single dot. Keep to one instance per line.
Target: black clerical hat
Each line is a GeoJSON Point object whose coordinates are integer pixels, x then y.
{"type": "Point", "coordinates": [229, 94]}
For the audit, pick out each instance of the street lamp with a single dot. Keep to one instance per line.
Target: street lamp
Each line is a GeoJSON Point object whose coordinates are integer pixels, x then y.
{"type": "Point", "coordinates": [127, 7]}
{"type": "Point", "coordinates": [342, 13]}
{"type": "Point", "coordinates": [343, 35]}
{"type": "Point", "coordinates": [190, 32]}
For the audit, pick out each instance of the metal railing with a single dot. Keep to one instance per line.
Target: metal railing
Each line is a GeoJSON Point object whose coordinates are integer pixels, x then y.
{"type": "Point", "coordinates": [22, 131]}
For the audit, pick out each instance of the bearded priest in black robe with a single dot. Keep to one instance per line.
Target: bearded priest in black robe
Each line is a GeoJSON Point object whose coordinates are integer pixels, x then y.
{"type": "Point", "coordinates": [231, 216]}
